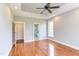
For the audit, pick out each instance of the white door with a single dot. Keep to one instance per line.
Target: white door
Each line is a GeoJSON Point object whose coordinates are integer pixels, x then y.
{"type": "Point", "coordinates": [13, 33]}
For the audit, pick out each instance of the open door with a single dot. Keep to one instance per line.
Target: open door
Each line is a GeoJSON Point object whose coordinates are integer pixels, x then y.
{"type": "Point", "coordinates": [13, 34]}
{"type": "Point", "coordinates": [19, 32]}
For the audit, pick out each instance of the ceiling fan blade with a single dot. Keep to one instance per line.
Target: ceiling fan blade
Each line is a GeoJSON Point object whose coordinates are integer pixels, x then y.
{"type": "Point", "coordinates": [49, 11]}
{"type": "Point", "coordinates": [54, 7]}
{"type": "Point", "coordinates": [39, 8]}
{"type": "Point", "coordinates": [48, 5]}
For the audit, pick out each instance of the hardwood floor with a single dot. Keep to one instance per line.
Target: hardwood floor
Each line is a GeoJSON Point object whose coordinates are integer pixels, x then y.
{"type": "Point", "coordinates": [42, 48]}
{"type": "Point", "coordinates": [37, 48]}
{"type": "Point", "coordinates": [62, 50]}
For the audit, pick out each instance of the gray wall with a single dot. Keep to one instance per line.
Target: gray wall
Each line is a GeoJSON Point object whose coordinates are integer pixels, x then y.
{"type": "Point", "coordinates": [66, 27]}
{"type": "Point", "coordinates": [29, 27]}
{"type": "Point", "coordinates": [5, 30]}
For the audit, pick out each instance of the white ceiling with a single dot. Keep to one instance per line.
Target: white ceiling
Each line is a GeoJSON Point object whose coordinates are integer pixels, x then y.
{"type": "Point", "coordinates": [29, 9]}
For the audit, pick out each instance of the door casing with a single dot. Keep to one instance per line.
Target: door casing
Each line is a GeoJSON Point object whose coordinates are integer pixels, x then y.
{"type": "Point", "coordinates": [24, 28]}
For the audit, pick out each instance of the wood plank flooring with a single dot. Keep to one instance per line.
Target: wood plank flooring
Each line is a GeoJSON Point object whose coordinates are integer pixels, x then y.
{"type": "Point", "coordinates": [37, 48]}
{"type": "Point", "coordinates": [62, 50]}
{"type": "Point", "coordinates": [42, 48]}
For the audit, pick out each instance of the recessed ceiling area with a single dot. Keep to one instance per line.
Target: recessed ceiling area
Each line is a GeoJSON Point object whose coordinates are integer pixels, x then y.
{"type": "Point", "coordinates": [32, 7]}
{"type": "Point", "coordinates": [29, 9]}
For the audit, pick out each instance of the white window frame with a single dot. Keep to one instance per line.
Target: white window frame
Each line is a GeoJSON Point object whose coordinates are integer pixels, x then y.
{"type": "Point", "coordinates": [50, 28]}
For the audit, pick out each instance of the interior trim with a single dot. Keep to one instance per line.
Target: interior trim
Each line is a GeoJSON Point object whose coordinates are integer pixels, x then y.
{"type": "Point", "coordinates": [71, 46]}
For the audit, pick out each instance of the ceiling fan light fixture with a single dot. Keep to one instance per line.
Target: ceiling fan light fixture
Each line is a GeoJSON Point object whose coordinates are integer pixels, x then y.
{"type": "Point", "coordinates": [48, 7]}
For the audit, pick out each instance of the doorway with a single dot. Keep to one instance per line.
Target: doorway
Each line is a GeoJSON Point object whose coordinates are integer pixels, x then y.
{"type": "Point", "coordinates": [36, 31]}
{"type": "Point", "coordinates": [19, 32]}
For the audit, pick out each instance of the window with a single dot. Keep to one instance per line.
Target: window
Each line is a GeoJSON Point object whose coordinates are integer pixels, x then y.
{"type": "Point", "coordinates": [50, 29]}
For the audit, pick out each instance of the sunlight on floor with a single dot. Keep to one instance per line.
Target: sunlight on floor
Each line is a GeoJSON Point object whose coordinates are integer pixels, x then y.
{"type": "Point", "coordinates": [51, 50]}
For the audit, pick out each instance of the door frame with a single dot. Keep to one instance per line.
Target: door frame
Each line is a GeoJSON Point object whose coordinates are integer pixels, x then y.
{"type": "Point", "coordinates": [13, 33]}
{"type": "Point", "coordinates": [24, 28]}
{"type": "Point", "coordinates": [33, 30]}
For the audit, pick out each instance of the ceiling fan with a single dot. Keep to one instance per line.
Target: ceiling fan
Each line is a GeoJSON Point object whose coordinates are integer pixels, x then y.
{"type": "Point", "coordinates": [48, 8]}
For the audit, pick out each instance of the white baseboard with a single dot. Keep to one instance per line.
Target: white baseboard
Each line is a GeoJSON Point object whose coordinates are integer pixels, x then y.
{"type": "Point", "coordinates": [10, 50]}
{"type": "Point", "coordinates": [74, 47]}
{"type": "Point", "coordinates": [28, 40]}
{"type": "Point", "coordinates": [43, 38]}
